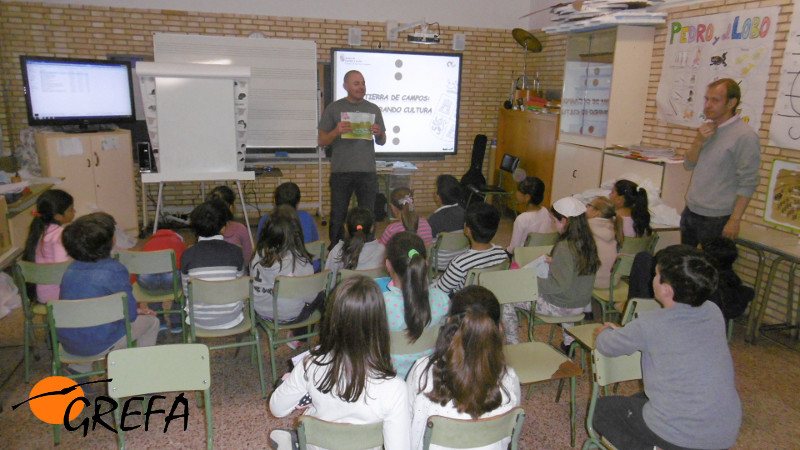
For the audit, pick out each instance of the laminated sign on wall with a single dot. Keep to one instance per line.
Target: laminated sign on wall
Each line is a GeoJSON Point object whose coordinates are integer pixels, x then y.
{"type": "Point", "coordinates": [703, 49]}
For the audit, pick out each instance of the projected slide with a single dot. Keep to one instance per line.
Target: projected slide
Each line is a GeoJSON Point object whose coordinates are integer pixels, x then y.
{"type": "Point", "coordinates": [418, 94]}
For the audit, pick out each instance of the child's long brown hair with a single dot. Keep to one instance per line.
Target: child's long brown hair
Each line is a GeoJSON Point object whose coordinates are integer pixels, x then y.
{"type": "Point", "coordinates": [403, 199]}
{"type": "Point", "coordinates": [282, 233]}
{"type": "Point", "coordinates": [580, 239]}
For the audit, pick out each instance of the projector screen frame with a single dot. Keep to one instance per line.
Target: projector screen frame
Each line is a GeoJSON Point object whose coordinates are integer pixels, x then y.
{"type": "Point", "coordinates": [382, 152]}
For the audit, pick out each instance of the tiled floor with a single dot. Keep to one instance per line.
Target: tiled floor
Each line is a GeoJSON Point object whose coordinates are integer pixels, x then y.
{"type": "Point", "coordinates": [767, 376]}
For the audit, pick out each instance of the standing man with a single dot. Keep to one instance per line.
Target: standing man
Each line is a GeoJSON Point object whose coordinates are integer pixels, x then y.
{"type": "Point", "coordinates": [352, 151]}
{"type": "Point", "coordinates": [725, 157]}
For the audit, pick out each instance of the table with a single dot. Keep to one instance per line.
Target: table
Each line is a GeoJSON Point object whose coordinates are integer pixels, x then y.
{"type": "Point", "coordinates": [786, 247]}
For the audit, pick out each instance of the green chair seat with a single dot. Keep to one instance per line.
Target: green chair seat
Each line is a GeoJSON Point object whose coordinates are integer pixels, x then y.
{"type": "Point", "coordinates": [40, 309]}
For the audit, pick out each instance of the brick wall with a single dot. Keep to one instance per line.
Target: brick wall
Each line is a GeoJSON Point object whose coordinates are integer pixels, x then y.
{"type": "Point", "coordinates": [490, 61]}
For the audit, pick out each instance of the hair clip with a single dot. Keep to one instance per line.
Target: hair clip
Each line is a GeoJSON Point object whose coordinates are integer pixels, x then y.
{"type": "Point", "coordinates": [36, 213]}
{"type": "Point", "coordinates": [359, 227]}
{"type": "Point", "coordinates": [413, 252]}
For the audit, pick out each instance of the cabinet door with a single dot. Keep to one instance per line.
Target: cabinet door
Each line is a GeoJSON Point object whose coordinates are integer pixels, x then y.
{"type": "Point", "coordinates": [113, 177]}
{"type": "Point", "coordinates": [69, 156]}
{"type": "Point", "coordinates": [577, 169]}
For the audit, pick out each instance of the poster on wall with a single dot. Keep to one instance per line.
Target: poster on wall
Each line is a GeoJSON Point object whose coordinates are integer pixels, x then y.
{"type": "Point", "coordinates": [784, 130]}
{"type": "Point", "coordinates": [783, 195]}
{"type": "Point", "coordinates": [703, 49]}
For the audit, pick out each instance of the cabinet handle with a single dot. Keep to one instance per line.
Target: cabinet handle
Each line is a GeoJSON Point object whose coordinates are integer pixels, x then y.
{"type": "Point", "coordinates": [574, 172]}
{"type": "Point", "coordinates": [88, 162]}
{"type": "Point", "coordinates": [96, 159]}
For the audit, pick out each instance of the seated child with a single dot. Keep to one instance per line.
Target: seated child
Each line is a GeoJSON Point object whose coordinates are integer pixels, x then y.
{"type": "Point", "coordinates": [235, 232]}
{"type": "Point", "coordinates": [600, 213]}
{"type": "Point", "coordinates": [349, 375]}
{"type": "Point", "coordinates": [466, 377]}
{"type": "Point", "coordinates": [568, 287]}
{"type": "Point", "coordinates": [360, 250]}
{"type": "Point", "coordinates": [481, 222]}
{"type": "Point", "coordinates": [212, 258]}
{"type": "Point", "coordinates": [535, 219]}
{"type": "Point", "coordinates": [94, 273]}
{"type": "Point", "coordinates": [690, 398]}
{"type": "Point", "coordinates": [54, 210]}
{"type": "Point", "coordinates": [633, 215]}
{"type": "Point", "coordinates": [411, 305]}
{"type": "Point", "coordinates": [402, 204]}
{"type": "Point", "coordinates": [289, 194]}
{"type": "Point", "coordinates": [450, 215]}
{"type": "Point", "coordinates": [161, 283]}
{"type": "Point", "coordinates": [280, 251]}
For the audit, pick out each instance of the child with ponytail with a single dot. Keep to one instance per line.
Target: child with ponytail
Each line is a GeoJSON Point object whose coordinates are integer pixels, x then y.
{"type": "Point", "coordinates": [633, 217]}
{"type": "Point", "coordinates": [411, 305]}
{"type": "Point", "coordinates": [360, 250]}
{"type": "Point", "coordinates": [402, 204]}
{"type": "Point", "coordinates": [54, 209]}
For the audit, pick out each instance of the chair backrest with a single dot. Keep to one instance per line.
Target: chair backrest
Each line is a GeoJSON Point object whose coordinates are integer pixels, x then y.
{"type": "Point", "coordinates": [317, 250]}
{"type": "Point", "coordinates": [509, 163]}
{"type": "Point", "coordinates": [459, 433]}
{"type": "Point", "coordinates": [450, 241]}
{"type": "Point", "coordinates": [168, 368]}
{"type": "Point", "coordinates": [142, 263]}
{"type": "Point", "coordinates": [338, 436]}
{"type": "Point", "coordinates": [539, 239]}
{"type": "Point", "coordinates": [40, 273]}
{"type": "Point", "coordinates": [378, 272]}
{"type": "Point", "coordinates": [524, 255]}
{"type": "Point", "coordinates": [636, 306]}
{"type": "Point", "coordinates": [427, 340]}
{"type": "Point", "coordinates": [634, 245]}
{"type": "Point", "coordinates": [219, 292]}
{"type": "Point", "coordinates": [609, 370]}
{"type": "Point", "coordinates": [90, 312]}
{"type": "Point", "coordinates": [622, 266]}
{"type": "Point", "coordinates": [511, 286]}
{"type": "Point", "coordinates": [472, 274]}
{"type": "Point", "coordinates": [302, 287]}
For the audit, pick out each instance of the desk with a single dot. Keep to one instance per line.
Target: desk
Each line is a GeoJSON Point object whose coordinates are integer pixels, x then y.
{"type": "Point", "coordinates": [786, 247]}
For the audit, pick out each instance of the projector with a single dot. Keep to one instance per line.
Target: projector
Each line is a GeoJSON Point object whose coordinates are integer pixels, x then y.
{"type": "Point", "coordinates": [423, 38]}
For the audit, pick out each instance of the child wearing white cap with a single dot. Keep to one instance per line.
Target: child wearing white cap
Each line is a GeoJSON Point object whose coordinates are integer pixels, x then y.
{"type": "Point", "coordinates": [573, 266]}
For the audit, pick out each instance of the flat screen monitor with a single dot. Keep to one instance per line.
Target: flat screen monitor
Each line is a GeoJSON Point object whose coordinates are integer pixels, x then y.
{"type": "Point", "coordinates": [71, 91]}
{"type": "Point", "coordinates": [418, 94]}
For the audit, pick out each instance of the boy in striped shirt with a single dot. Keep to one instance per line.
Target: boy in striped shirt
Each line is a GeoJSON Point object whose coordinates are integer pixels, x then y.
{"type": "Point", "coordinates": [480, 226]}
{"type": "Point", "coordinates": [212, 259]}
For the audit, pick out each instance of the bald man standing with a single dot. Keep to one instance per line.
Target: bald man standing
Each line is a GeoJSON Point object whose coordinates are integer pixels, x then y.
{"type": "Point", "coordinates": [352, 156]}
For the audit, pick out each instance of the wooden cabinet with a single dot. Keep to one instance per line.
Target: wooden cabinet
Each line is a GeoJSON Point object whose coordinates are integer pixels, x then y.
{"type": "Point", "coordinates": [577, 168]}
{"type": "Point", "coordinates": [531, 138]}
{"type": "Point", "coordinates": [97, 169]}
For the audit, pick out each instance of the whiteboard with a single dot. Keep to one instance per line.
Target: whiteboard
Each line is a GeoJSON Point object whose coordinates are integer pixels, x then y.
{"type": "Point", "coordinates": [283, 87]}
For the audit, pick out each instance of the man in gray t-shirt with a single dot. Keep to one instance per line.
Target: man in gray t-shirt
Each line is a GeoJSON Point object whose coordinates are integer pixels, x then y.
{"type": "Point", "coordinates": [351, 126]}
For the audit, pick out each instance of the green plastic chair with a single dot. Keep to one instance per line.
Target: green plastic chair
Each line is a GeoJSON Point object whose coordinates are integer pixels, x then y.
{"type": "Point", "coordinates": [534, 362]}
{"type": "Point", "coordinates": [82, 314]}
{"type": "Point", "coordinates": [449, 242]}
{"type": "Point", "coordinates": [378, 272]}
{"type": "Point", "coordinates": [293, 287]}
{"type": "Point", "coordinates": [168, 368]}
{"type": "Point", "coordinates": [524, 255]}
{"type": "Point", "coordinates": [633, 245]}
{"type": "Point", "coordinates": [460, 433]}
{"type": "Point", "coordinates": [606, 371]}
{"type": "Point", "coordinates": [472, 274]}
{"type": "Point", "coordinates": [27, 272]}
{"type": "Point", "coordinates": [539, 239]}
{"type": "Point", "coordinates": [617, 291]}
{"type": "Point", "coordinates": [161, 261]}
{"type": "Point", "coordinates": [338, 436]}
{"type": "Point", "coordinates": [398, 341]}
{"type": "Point", "coordinates": [223, 293]}
{"type": "Point", "coordinates": [317, 250]}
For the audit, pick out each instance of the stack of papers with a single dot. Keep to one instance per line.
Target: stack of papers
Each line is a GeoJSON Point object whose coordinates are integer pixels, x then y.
{"type": "Point", "coordinates": [657, 154]}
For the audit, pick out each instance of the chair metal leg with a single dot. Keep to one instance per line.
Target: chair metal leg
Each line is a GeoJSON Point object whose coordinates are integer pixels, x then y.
{"type": "Point", "coordinates": [572, 412]}
{"type": "Point", "coordinates": [27, 347]}
{"type": "Point", "coordinates": [260, 361]}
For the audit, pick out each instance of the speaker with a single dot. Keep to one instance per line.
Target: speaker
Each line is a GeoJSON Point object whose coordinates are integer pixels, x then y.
{"type": "Point", "coordinates": [146, 160]}
{"type": "Point", "coordinates": [354, 36]}
{"type": "Point", "coordinates": [459, 42]}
